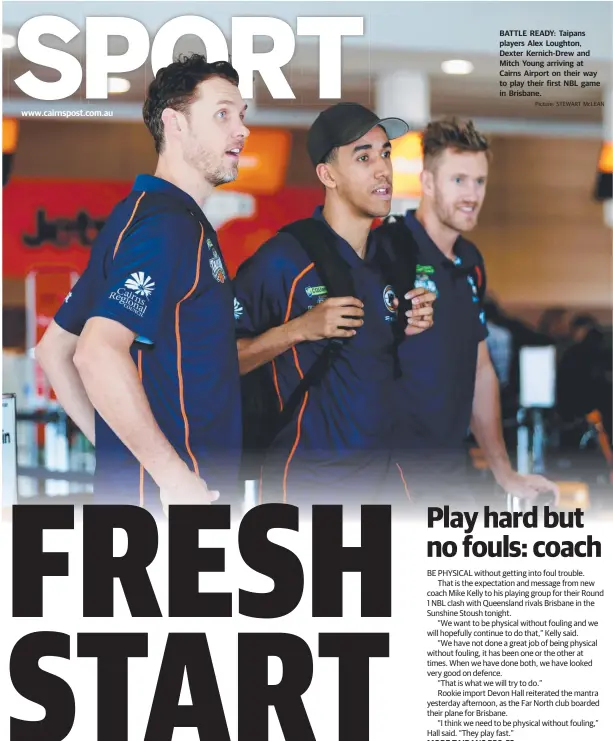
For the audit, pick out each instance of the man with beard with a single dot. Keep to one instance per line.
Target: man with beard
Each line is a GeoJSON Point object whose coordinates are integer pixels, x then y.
{"type": "Point", "coordinates": [336, 445]}
{"type": "Point", "coordinates": [448, 383]}
{"type": "Point", "coordinates": [142, 354]}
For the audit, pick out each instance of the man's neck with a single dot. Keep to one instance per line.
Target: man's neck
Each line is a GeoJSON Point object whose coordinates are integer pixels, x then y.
{"type": "Point", "coordinates": [184, 178]}
{"type": "Point", "coordinates": [442, 236]}
{"type": "Point", "coordinates": [346, 224]}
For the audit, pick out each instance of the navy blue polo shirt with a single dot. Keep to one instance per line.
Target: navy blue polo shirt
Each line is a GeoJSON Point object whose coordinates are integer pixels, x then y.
{"type": "Point", "coordinates": [339, 437]}
{"type": "Point", "coordinates": [434, 395]}
{"type": "Point", "coordinates": [156, 268]}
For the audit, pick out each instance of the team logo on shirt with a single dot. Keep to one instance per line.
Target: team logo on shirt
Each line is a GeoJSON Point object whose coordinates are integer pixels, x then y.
{"type": "Point", "coordinates": [67, 299]}
{"type": "Point", "coordinates": [238, 309]}
{"type": "Point", "coordinates": [140, 285]}
{"type": "Point", "coordinates": [217, 266]}
{"type": "Point", "coordinates": [388, 299]}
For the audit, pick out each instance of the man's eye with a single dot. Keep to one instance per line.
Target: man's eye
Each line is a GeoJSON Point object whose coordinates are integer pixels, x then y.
{"type": "Point", "coordinates": [387, 154]}
{"type": "Point", "coordinates": [222, 114]}
{"type": "Point", "coordinates": [363, 158]}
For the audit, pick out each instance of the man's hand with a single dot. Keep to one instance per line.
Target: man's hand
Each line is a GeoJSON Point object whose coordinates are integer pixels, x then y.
{"type": "Point", "coordinates": [187, 488]}
{"type": "Point", "coordinates": [527, 486]}
{"type": "Point", "coordinates": [421, 316]}
{"type": "Point", "coordinates": [326, 319]}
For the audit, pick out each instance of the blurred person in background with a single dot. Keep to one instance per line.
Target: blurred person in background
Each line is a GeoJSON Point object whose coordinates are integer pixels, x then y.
{"type": "Point", "coordinates": [142, 354]}
{"type": "Point", "coordinates": [448, 383]}
{"type": "Point", "coordinates": [336, 445]}
{"type": "Point", "coordinates": [500, 346]}
{"type": "Point", "coordinates": [522, 335]}
{"type": "Point", "coordinates": [583, 377]}
{"type": "Point", "coordinates": [555, 324]}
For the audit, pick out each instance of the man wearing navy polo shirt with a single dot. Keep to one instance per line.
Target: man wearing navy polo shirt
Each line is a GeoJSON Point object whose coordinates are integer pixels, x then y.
{"type": "Point", "coordinates": [142, 354]}
{"type": "Point", "coordinates": [336, 445]}
{"type": "Point", "coordinates": [448, 383]}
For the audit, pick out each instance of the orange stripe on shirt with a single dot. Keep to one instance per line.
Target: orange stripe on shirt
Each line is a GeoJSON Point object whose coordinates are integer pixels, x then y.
{"type": "Point", "coordinates": [404, 483]}
{"type": "Point", "coordinates": [297, 364]}
{"type": "Point", "coordinates": [141, 486]}
{"type": "Point", "coordinates": [298, 427]}
{"type": "Point", "coordinates": [292, 290]}
{"type": "Point", "coordinates": [290, 302]}
{"type": "Point", "coordinates": [179, 368]}
{"type": "Point", "coordinates": [120, 237]}
{"type": "Point", "coordinates": [276, 383]}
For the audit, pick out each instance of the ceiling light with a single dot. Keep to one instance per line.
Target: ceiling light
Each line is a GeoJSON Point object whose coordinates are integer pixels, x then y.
{"type": "Point", "coordinates": [457, 67]}
{"type": "Point", "coordinates": [8, 41]}
{"type": "Point", "coordinates": [118, 85]}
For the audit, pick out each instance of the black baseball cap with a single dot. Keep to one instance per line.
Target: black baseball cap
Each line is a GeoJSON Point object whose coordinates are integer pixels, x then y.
{"type": "Point", "coordinates": [344, 123]}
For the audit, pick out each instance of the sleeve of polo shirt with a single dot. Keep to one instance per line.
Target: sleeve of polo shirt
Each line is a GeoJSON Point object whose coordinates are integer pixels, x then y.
{"type": "Point", "coordinates": [261, 289]}
{"type": "Point", "coordinates": [143, 282]}
{"type": "Point", "coordinates": [77, 306]}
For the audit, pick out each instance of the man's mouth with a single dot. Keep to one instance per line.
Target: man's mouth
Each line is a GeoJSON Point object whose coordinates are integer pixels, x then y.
{"type": "Point", "coordinates": [234, 152]}
{"type": "Point", "coordinates": [468, 209]}
{"type": "Point", "coordinates": [383, 191]}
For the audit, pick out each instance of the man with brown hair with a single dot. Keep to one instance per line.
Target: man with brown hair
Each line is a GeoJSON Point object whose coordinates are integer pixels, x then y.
{"type": "Point", "coordinates": [448, 384]}
{"type": "Point", "coordinates": [142, 354]}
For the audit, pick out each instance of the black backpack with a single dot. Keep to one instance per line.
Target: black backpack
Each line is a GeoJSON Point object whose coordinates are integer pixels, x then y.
{"type": "Point", "coordinates": [397, 260]}
{"type": "Point", "coordinates": [262, 418]}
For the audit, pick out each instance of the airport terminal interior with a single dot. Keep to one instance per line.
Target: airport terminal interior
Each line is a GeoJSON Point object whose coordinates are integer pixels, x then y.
{"type": "Point", "coordinates": [545, 228]}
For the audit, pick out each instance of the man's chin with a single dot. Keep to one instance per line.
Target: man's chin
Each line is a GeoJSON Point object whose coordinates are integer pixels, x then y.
{"type": "Point", "coordinates": [465, 223]}
{"type": "Point", "coordinates": [225, 178]}
{"type": "Point", "coordinates": [380, 210]}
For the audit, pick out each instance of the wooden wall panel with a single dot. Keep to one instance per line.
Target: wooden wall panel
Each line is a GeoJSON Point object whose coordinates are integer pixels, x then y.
{"type": "Point", "coordinates": [542, 234]}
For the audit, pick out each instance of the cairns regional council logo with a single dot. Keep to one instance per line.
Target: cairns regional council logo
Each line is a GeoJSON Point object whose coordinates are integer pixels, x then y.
{"type": "Point", "coordinates": [135, 292]}
{"type": "Point", "coordinates": [216, 264]}
{"type": "Point", "coordinates": [140, 285]}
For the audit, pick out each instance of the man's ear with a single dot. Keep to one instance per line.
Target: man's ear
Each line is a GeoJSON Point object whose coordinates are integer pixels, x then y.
{"type": "Point", "coordinates": [426, 178]}
{"type": "Point", "coordinates": [326, 175]}
{"type": "Point", "coordinates": [174, 122]}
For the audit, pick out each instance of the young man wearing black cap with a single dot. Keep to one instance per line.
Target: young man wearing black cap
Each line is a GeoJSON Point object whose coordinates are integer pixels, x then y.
{"type": "Point", "coordinates": [447, 382]}
{"type": "Point", "coordinates": [337, 441]}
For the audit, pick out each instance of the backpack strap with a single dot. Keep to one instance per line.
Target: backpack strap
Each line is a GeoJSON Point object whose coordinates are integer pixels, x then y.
{"type": "Point", "coordinates": [318, 242]}
{"type": "Point", "coordinates": [397, 258]}
{"type": "Point", "coordinates": [402, 258]}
